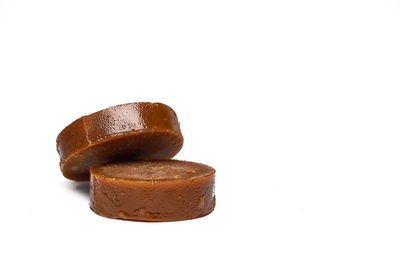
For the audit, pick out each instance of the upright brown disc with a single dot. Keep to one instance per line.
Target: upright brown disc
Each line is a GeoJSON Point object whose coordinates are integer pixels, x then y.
{"type": "Point", "coordinates": [129, 131]}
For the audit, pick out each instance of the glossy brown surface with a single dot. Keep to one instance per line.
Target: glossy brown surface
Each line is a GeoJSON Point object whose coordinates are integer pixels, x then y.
{"type": "Point", "coordinates": [157, 190]}
{"type": "Point", "coordinates": [129, 131]}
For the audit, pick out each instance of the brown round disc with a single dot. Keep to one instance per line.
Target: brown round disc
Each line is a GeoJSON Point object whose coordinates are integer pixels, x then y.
{"type": "Point", "coordinates": [129, 131]}
{"type": "Point", "coordinates": [156, 190]}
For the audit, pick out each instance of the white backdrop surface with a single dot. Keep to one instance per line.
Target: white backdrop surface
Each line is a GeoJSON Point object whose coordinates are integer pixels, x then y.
{"type": "Point", "coordinates": [295, 103]}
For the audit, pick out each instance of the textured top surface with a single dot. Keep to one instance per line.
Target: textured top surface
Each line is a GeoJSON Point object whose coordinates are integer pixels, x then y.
{"type": "Point", "coordinates": [153, 170]}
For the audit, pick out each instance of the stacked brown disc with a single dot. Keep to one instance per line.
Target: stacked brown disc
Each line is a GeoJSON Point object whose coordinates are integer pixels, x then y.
{"type": "Point", "coordinates": [125, 151]}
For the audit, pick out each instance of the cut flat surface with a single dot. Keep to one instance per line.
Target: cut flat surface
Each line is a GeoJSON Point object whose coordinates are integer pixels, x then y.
{"type": "Point", "coordinates": [157, 190]}
{"type": "Point", "coordinates": [155, 170]}
{"type": "Point", "coordinates": [129, 131]}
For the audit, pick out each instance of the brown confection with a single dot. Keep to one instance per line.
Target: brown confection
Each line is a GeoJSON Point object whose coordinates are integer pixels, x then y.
{"type": "Point", "coordinates": [156, 190]}
{"type": "Point", "coordinates": [129, 131]}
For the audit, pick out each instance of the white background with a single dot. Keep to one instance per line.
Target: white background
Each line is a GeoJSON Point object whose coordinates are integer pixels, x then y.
{"type": "Point", "coordinates": [295, 103]}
